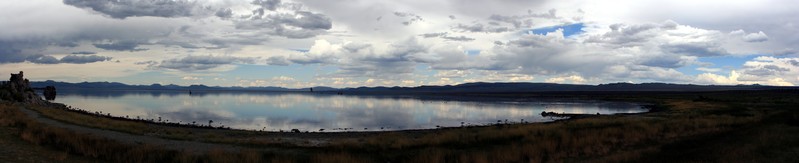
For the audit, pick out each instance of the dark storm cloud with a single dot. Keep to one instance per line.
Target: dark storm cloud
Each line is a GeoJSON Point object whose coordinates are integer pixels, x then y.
{"type": "Point", "coordinates": [195, 63]}
{"type": "Point", "coordinates": [121, 46]}
{"type": "Point", "coordinates": [135, 8]}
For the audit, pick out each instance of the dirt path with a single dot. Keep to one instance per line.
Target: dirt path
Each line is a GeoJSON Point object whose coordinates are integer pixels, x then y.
{"type": "Point", "coordinates": [122, 137]}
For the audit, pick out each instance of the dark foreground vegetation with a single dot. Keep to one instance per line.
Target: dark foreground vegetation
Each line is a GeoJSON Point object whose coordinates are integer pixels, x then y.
{"type": "Point", "coordinates": [731, 126]}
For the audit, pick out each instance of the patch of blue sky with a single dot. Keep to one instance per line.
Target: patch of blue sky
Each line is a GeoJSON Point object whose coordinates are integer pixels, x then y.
{"type": "Point", "coordinates": [568, 30]}
{"type": "Point", "coordinates": [424, 69]}
{"type": "Point", "coordinates": [472, 52]}
{"type": "Point", "coordinates": [690, 70]}
{"type": "Point", "coordinates": [728, 62]}
{"type": "Point", "coordinates": [723, 63]}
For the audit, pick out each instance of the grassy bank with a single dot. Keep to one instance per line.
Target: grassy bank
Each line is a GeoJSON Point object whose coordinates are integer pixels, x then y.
{"type": "Point", "coordinates": [737, 126]}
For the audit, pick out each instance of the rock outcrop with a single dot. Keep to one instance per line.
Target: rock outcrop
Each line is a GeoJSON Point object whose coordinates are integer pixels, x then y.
{"type": "Point", "coordinates": [18, 89]}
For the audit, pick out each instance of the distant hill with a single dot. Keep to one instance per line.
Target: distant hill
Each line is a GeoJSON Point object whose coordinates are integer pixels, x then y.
{"type": "Point", "coordinates": [122, 86]}
{"type": "Point", "coordinates": [460, 88]}
{"type": "Point", "coordinates": [481, 87]}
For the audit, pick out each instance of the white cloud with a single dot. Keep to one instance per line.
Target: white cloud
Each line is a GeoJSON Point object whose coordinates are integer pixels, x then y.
{"type": "Point", "coordinates": [190, 78]}
{"type": "Point", "coordinates": [574, 79]}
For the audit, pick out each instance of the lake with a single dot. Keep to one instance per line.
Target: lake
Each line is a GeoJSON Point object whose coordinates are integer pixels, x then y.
{"type": "Point", "coordinates": [274, 111]}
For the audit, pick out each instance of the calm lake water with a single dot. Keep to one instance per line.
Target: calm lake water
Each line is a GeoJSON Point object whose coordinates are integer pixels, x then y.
{"type": "Point", "coordinates": [312, 111]}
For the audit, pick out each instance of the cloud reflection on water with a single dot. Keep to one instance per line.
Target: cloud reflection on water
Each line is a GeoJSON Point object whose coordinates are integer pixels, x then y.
{"type": "Point", "coordinates": [305, 111]}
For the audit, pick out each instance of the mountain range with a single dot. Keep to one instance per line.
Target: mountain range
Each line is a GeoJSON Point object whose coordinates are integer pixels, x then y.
{"type": "Point", "coordinates": [517, 87]}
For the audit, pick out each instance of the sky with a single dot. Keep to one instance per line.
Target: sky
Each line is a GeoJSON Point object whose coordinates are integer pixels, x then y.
{"type": "Point", "coordinates": [352, 43]}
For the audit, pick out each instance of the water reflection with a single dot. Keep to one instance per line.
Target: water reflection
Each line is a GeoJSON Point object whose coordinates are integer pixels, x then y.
{"type": "Point", "coordinates": [311, 112]}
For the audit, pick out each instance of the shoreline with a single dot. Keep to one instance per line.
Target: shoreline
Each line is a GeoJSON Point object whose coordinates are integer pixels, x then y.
{"type": "Point", "coordinates": [645, 106]}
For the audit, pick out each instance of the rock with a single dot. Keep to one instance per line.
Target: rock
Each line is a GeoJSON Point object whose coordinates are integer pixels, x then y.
{"type": "Point", "coordinates": [19, 89]}
{"type": "Point", "coordinates": [49, 93]}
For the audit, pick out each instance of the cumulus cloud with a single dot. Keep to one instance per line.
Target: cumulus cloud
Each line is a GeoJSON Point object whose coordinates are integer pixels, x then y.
{"type": "Point", "coordinates": [294, 24]}
{"type": "Point", "coordinates": [394, 60]}
{"type": "Point", "coordinates": [750, 37]}
{"type": "Point", "coordinates": [756, 37]}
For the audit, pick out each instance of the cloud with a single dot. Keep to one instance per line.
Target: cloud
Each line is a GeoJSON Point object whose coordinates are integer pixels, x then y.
{"type": "Point", "coordinates": [412, 17]}
{"type": "Point", "coordinates": [198, 62]}
{"type": "Point", "coordinates": [190, 78]}
{"type": "Point", "coordinates": [445, 36]}
{"type": "Point", "coordinates": [430, 35]}
{"type": "Point", "coordinates": [391, 61]}
{"type": "Point", "coordinates": [43, 59]}
{"type": "Point", "coordinates": [705, 69]}
{"type": "Point", "coordinates": [121, 46]}
{"type": "Point", "coordinates": [84, 52]}
{"type": "Point", "coordinates": [83, 59]}
{"type": "Point", "coordinates": [139, 8]}
{"type": "Point", "coordinates": [756, 37]}
{"type": "Point", "coordinates": [452, 74]}
{"type": "Point", "coordinates": [479, 27]}
{"type": "Point", "coordinates": [574, 79]}
{"type": "Point", "coordinates": [457, 38]}
{"type": "Point", "coordinates": [523, 21]}
{"type": "Point", "coordinates": [270, 5]}
{"type": "Point", "coordinates": [74, 59]}
{"type": "Point", "coordinates": [295, 23]}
